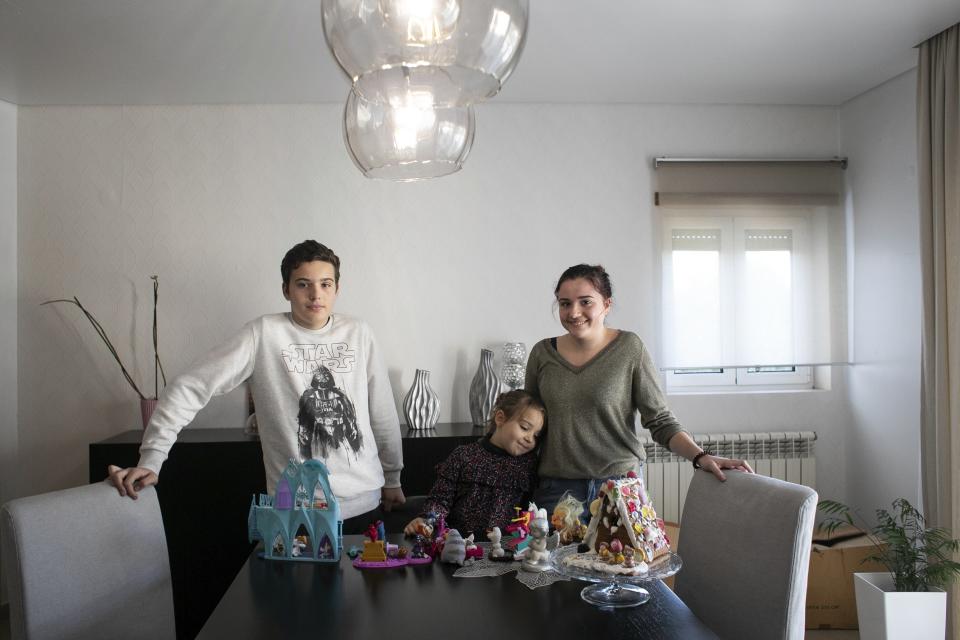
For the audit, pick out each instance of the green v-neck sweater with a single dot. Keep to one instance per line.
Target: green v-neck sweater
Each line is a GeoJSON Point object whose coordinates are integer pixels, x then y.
{"type": "Point", "coordinates": [591, 410]}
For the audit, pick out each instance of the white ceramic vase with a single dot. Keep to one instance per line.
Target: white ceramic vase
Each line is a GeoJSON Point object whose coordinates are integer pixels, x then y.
{"type": "Point", "coordinates": [886, 614]}
{"type": "Point", "coordinates": [421, 406]}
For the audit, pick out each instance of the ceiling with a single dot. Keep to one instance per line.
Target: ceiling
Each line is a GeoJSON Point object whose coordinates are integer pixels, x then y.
{"type": "Point", "coordinates": [801, 52]}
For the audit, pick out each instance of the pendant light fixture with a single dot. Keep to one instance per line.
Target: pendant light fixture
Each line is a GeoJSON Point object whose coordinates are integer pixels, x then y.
{"type": "Point", "coordinates": [409, 140]}
{"type": "Point", "coordinates": [416, 67]}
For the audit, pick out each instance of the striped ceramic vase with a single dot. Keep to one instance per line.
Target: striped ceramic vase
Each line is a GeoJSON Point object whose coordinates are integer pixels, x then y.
{"type": "Point", "coordinates": [484, 389]}
{"type": "Point", "coordinates": [421, 406]}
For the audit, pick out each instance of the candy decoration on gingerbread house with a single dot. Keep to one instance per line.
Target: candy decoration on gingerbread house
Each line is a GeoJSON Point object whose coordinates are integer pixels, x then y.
{"type": "Point", "coordinates": [623, 512]}
{"type": "Point", "coordinates": [301, 522]}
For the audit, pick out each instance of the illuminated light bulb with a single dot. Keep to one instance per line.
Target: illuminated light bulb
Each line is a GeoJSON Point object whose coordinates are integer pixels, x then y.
{"type": "Point", "coordinates": [421, 22]}
{"type": "Point", "coordinates": [407, 139]}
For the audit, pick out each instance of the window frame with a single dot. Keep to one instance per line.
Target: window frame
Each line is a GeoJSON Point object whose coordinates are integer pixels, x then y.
{"type": "Point", "coordinates": [732, 221]}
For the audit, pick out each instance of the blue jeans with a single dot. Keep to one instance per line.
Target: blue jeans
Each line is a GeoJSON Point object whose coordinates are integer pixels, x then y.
{"type": "Point", "coordinates": [550, 490]}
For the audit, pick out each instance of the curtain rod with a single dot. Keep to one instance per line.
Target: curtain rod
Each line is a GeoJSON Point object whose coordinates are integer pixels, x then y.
{"type": "Point", "coordinates": [666, 160]}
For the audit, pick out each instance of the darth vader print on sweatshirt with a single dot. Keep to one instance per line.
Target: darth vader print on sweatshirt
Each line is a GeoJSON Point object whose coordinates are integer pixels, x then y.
{"type": "Point", "coordinates": [327, 418]}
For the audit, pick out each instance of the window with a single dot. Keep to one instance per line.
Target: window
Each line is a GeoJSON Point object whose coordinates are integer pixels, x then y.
{"type": "Point", "coordinates": [745, 290]}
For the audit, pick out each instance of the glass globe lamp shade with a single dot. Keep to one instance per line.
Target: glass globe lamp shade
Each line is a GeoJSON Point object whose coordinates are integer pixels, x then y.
{"type": "Point", "coordinates": [409, 139]}
{"type": "Point", "coordinates": [461, 50]}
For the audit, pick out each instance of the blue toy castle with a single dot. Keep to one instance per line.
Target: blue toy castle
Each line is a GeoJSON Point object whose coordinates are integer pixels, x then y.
{"type": "Point", "coordinates": [302, 521]}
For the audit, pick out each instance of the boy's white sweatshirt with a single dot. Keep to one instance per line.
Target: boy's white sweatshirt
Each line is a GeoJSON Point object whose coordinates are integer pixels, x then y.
{"type": "Point", "coordinates": [285, 365]}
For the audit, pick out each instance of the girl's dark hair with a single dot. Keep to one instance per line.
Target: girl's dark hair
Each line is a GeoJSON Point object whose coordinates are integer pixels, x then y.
{"type": "Point", "coordinates": [308, 251]}
{"type": "Point", "coordinates": [594, 273]}
{"type": "Point", "coordinates": [513, 403]}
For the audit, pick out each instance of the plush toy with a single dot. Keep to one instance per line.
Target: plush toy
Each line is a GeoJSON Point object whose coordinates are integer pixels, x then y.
{"type": "Point", "coordinates": [454, 549]}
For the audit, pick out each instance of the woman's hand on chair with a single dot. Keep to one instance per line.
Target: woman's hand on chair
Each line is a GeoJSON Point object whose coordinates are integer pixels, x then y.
{"type": "Point", "coordinates": [130, 480]}
{"type": "Point", "coordinates": [715, 465]}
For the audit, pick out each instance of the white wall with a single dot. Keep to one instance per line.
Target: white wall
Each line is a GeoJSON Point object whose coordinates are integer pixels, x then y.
{"type": "Point", "coordinates": [8, 300]}
{"type": "Point", "coordinates": [209, 198]}
{"type": "Point", "coordinates": [8, 310]}
{"type": "Point", "coordinates": [878, 133]}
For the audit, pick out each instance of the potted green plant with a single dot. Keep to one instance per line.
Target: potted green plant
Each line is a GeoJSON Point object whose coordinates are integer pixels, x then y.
{"type": "Point", "coordinates": [910, 600]}
{"type": "Point", "coordinates": [147, 404]}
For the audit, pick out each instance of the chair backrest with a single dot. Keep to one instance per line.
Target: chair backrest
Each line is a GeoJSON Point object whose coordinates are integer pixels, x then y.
{"type": "Point", "coordinates": [86, 563]}
{"type": "Point", "coordinates": [745, 546]}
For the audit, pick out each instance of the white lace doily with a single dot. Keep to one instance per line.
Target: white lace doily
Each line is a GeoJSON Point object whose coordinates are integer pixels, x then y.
{"type": "Point", "coordinates": [487, 568]}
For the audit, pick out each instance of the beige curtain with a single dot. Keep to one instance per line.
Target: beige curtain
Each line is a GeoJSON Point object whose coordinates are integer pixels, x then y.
{"type": "Point", "coordinates": [938, 133]}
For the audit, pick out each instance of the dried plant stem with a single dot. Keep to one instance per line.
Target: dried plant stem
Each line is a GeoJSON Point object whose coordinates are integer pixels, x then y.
{"type": "Point", "coordinates": [157, 365]}
{"type": "Point", "coordinates": [106, 340]}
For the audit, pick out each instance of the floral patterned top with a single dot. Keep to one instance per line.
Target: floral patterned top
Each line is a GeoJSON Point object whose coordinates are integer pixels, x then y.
{"type": "Point", "coordinates": [478, 486]}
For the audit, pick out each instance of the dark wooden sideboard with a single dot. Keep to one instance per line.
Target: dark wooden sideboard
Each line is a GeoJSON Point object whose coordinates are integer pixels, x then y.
{"type": "Point", "coordinates": [205, 489]}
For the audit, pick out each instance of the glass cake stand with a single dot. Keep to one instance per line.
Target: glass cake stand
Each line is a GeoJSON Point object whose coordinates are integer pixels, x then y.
{"type": "Point", "coordinates": [612, 590]}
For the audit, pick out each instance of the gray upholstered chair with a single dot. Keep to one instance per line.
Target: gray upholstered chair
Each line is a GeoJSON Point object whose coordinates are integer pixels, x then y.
{"type": "Point", "coordinates": [86, 563]}
{"type": "Point", "coordinates": [745, 545]}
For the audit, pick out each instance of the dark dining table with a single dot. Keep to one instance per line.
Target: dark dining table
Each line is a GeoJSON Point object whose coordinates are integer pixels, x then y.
{"type": "Point", "coordinates": [280, 599]}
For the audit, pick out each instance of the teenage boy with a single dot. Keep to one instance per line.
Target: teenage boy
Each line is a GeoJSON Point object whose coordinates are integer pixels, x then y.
{"type": "Point", "coordinates": [319, 387]}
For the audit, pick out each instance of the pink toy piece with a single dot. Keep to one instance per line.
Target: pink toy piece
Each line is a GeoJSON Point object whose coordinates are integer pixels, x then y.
{"type": "Point", "coordinates": [418, 561]}
{"type": "Point", "coordinates": [389, 563]}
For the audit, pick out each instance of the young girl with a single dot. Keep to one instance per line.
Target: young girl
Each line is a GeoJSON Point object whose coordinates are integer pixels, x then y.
{"type": "Point", "coordinates": [479, 484]}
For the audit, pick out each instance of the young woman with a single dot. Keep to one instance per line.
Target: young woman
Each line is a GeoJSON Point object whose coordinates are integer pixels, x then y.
{"type": "Point", "coordinates": [593, 381]}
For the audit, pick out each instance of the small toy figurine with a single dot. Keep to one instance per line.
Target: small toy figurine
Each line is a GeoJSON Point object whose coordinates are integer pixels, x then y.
{"type": "Point", "coordinates": [628, 561]}
{"type": "Point", "coordinates": [417, 550]}
{"type": "Point", "coordinates": [439, 537]}
{"type": "Point", "coordinates": [426, 526]}
{"type": "Point", "coordinates": [519, 530]}
{"type": "Point", "coordinates": [472, 551]}
{"type": "Point", "coordinates": [537, 556]}
{"type": "Point", "coordinates": [520, 526]}
{"type": "Point", "coordinates": [299, 544]}
{"type": "Point", "coordinates": [454, 549]}
{"type": "Point", "coordinates": [326, 549]}
{"type": "Point", "coordinates": [494, 535]}
{"type": "Point", "coordinates": [566, 520]}
{"type": "Point", "coordinates": [375, 531]}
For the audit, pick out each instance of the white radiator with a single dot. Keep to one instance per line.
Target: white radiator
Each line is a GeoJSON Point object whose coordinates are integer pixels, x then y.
{"type": "Point", "coordinates": [787, 456]}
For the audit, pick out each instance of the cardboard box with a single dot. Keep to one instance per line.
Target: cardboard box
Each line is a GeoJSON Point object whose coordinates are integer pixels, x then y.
{"type": "Point", "coordinates": [831, 603]}
{"type": "Point", "coordinates": [673, 535]}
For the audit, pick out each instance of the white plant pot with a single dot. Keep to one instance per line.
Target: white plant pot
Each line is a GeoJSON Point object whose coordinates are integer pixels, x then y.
{"type": "Point", "coordinates": [886, 614]}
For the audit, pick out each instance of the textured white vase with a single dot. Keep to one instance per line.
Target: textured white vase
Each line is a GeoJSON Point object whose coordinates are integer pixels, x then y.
{"type": "Point", "coordinates": [421, 406]}
{"type": "Point", "coordinates": [484, 389]}
{"type": "Point", "coordinates": [885, 614]}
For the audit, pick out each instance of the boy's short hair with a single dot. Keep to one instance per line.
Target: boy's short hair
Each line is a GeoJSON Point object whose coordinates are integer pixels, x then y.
{"type": "Point", "coordinates": [308, 251]}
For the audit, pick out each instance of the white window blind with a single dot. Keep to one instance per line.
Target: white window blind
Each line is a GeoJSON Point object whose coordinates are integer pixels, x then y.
{"type": "Point", "coordinates": [752, 279]}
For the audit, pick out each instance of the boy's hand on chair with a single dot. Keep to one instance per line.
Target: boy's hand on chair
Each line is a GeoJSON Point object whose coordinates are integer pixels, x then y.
{"type": "Point", "coordinates": [391, 497]}
{"type": "Point", "coordinates": [131, 480]}
{"type": "Point", "coordinates": [414, 527]}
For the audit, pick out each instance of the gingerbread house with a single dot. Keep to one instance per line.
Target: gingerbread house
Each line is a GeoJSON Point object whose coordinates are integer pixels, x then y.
{"type": "Point", "coordinates": [623, 511]}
